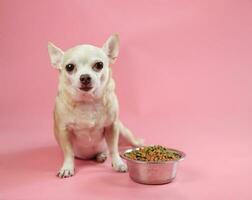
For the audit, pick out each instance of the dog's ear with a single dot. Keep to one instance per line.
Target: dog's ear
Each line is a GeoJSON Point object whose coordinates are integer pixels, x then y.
{"type": "Point", "coordinates": [55, 54]}
{"type": "Point", "coordinates": [111, 47]}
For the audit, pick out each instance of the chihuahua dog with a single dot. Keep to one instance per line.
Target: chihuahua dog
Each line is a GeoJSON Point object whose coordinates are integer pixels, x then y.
{"type": "Point", "coordinates": [86, 121]}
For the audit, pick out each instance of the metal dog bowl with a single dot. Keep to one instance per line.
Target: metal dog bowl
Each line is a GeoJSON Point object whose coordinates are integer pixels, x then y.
{"type": "Point", "coordinates": [154, 172]}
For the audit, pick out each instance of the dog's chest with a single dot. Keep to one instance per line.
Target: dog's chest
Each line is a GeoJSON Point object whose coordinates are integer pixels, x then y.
{"type": "Point", "coordinates": [87, 123]}
{"type": "Point", "coordinates": [86, 118]}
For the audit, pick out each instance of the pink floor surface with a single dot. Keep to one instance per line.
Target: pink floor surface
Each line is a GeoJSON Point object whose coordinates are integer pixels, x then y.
{"type": "Point", "coordinates": [184, 79]}
{"type": "Point", "coordinates": [217, 166]}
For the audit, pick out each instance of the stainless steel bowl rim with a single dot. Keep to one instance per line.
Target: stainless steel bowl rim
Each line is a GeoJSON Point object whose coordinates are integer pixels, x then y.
{"type": "Point", "coordinates": [182, 154]}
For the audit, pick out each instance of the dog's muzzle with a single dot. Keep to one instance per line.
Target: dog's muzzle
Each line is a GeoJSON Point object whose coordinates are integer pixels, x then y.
{"type": "Point", "coordinates": [86, 82]}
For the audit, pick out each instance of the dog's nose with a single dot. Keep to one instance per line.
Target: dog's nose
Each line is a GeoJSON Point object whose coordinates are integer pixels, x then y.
{"type": "Point", "coordinates": [85, 79]}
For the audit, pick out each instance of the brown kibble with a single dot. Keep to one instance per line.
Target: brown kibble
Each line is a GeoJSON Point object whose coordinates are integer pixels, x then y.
{"type": "Point", "coordinates": [153, 153]}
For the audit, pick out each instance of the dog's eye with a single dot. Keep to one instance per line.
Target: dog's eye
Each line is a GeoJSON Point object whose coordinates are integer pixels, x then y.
{"type": "Point", "coordinates": [98, 66]}
{"type": "Point", "coordinates": [69, 67]}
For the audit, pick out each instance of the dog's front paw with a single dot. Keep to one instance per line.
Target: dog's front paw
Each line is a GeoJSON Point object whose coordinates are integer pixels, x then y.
{"type": "Point", "coordinates": [120, 166]}
{"type": "Point", "coordinates": [65, 172]}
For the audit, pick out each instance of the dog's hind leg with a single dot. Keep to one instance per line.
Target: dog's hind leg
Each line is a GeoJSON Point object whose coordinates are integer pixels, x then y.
{"type": "Point", "coordinates": [128, 135]}
{"type": "Point", "coordinates": [101, 157]}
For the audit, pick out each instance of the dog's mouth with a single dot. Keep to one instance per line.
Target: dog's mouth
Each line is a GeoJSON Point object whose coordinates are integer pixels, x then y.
{"type": "Point", "coordinates": [86, 88]}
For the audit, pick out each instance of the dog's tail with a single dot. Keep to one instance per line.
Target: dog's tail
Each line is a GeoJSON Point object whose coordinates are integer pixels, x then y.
{"type": "Point", "coordinates": [128, 136]}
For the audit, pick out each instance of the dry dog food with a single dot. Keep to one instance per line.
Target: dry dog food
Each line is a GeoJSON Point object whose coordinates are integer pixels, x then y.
{"type": "Point", "coordinates": [153, 153]}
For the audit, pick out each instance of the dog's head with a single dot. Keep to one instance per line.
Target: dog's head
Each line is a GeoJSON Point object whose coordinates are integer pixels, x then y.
{"type": "Point", "coordinates": [84, 69]}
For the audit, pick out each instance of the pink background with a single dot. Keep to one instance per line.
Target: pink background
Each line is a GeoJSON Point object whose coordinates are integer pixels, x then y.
{"type": "Point", "coordinates": [184, 78]}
